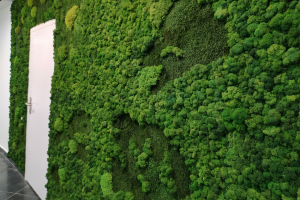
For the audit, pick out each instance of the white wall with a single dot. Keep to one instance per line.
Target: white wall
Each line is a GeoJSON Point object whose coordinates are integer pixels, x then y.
{"type": "Point", "coordinates": [5, 28]}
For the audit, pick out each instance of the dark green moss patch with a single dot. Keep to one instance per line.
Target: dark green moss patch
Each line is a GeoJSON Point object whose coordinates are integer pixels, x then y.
{"type": "Point", "coordinates": [193, 28]}
{"type": "Point", "coordinates": [80, 124]}
{"type": "Point", "coordinates": [126, 178]}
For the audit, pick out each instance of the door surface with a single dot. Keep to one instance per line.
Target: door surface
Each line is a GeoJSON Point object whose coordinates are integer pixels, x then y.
{"type": "Point", "coordinates": [41, 68]}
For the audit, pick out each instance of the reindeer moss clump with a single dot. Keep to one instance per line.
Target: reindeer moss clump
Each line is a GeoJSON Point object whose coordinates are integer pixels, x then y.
{"type": "Point", "coordinates": [33, 11]}
{"type": "Point", "coordinates": [62, 52]}
{"type": "Point", "coordinates": [170, 49]}
{"type": "Point", "coordinates": [30, 3]}
{"type": "Point", "coordinates": [73, 54]}
{"type": "Point", "coordinates": [149, 76]}
{"type": "Point", "coordinates": [106, 184]}
{"type": "Point", "coordinates": [158, 11]}
{"type": "Point", "coordinates": [17, 30]}
{"type": "Point", "coordinates": [73, 146]}
{"type": "Point", "coordinates": [58, 125]}
{"type": "Point", "coordinates": [70, 17]}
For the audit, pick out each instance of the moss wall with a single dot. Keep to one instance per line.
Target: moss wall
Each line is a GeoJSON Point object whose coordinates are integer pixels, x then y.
{"type": "Point", "coordinates": [164, 99]}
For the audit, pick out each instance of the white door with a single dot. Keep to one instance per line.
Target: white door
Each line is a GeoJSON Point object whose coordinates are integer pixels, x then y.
{"type": "Point", "coordinates": [41, 68]}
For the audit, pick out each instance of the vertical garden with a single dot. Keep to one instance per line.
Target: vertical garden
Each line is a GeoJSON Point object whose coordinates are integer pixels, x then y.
{"type": "Point", "coordinates": [165, 99]}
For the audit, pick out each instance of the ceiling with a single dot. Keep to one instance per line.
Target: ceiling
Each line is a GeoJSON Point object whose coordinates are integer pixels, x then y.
{"type": "Point", "coordinates": [5, 3]}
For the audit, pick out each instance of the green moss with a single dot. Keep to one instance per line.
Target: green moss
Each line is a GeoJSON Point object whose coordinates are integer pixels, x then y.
{"type": "Point", "coordinates": [17, 30]}
{"type": "Point", "coordinates": [149, 76]}
{"type": "Point", "coordinates": [57, 4]}
{"type": "Point", "coordinates": [79, 133]}
{"type": "Point", "coordinates": [30, 3]}
{"type": "Point", "coordinates": [76, 124]}
{"type": "Point", "coordinates": [158, 12]}
{"type": "Point", "coordinates": [14, 89]}
{"type": "Point", "coordinates": [112, 42]}
{"type": "Point", "coordinates": [106, 184]}
{"type": "Point", "coordinates": [221, 13]}
{"type": "Point", "coordinates": [170, 49]}
{"type": "Point", "coordinates": [73, 54]}
{"type": "Point", "coordinates": [17, 115]}
{"type": "Point", "coordinates": [125, 178]}
{"type": "Point", "coordinates": [14, 146]}
{"type": "Point", "coordinates": [73, 146]}
{"type": "Point", "coordinates": [237, 49]}
{"type": "Point", "coordinates": [55, 176]}
{"type": "Point", "coordinates": [62, 175]}
{"type": "Point", "coordinates": [70, 17]}
{"type": "Point", "coordinates": [59, 124]}
{"type": "Point", "coordinates": [62, 52]}
{"type": "Point", "coordinates": [33, 11]}
{"type": "Point", "coordinates": [181, 29]}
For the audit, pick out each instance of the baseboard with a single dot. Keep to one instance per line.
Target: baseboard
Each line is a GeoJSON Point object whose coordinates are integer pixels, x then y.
{"type": "Point", "coordinates": [5, 150]}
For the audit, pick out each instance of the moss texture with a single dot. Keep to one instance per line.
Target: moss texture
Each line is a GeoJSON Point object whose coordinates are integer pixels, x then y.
{"type": "Point", "coordinates": [193, 29]}
{"type": "Point", "coordinates": [126, 178]}
{"type": "Point", "coordinates": [70, 17]}
{"type": "Point", "coordinates": [221, 122]}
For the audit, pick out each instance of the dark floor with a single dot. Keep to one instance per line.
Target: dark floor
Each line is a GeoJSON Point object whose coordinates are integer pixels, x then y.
{"type": "Point", "coordinates": [13, 186]}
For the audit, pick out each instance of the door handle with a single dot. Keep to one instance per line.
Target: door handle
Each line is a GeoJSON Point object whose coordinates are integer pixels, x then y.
{"type": "Point", "coordinates": [29, 104]}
